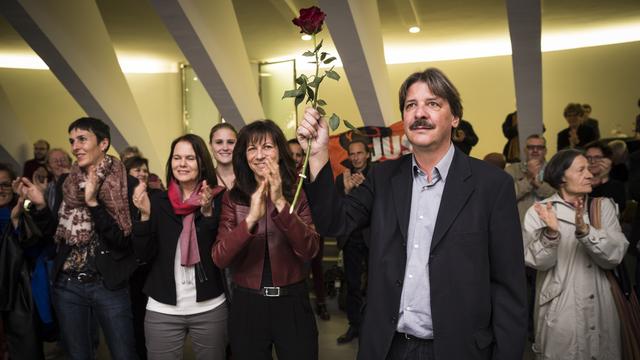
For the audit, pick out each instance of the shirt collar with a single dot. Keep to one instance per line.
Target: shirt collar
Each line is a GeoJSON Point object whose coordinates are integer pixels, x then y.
{"type": "Point", "coordinates": [441, 168]}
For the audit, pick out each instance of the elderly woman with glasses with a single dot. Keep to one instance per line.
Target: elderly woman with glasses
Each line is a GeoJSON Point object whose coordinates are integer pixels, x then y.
{"type": "Point", "coordinates": [575, 313]}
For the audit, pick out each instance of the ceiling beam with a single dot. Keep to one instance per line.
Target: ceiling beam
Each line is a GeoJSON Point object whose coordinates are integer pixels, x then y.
{"type": "Point", "coordinates": [72, 39]}
{"type": "Point", "coordinates": [355, 25]}
{"type": "Point", "coordinates": [525, 30]}
{"type": "Point", "coordinates": [209, 36]}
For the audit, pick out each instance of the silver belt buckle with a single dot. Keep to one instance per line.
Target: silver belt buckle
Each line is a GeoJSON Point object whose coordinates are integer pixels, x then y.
{"type": "Point", "coordinates": [271, 291]}
{"type": "Point", "coordinates": [81, 276]}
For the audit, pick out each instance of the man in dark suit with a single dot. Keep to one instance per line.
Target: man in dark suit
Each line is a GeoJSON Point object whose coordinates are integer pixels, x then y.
{"type": "Point", "coordinates": [446, 275]}
{"type": "Point", "coordinates": [354, 245]}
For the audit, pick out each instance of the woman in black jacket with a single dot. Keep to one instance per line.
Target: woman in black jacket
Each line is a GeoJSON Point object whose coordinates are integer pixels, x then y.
{"type": "Point", "coordinates": [175, 236]}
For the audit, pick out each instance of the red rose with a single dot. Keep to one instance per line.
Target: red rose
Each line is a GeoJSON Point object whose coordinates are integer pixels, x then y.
{"type": "Point", "coordinates": [310, 20]}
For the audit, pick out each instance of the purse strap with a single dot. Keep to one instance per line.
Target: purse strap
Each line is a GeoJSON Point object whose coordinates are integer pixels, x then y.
{"type": "Point", "coordinates": [593, 207]}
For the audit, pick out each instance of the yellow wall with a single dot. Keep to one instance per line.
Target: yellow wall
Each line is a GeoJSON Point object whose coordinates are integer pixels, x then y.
{"type": "Point", "coordinates": [607, 77]}
{"type": "Point", "coordinates": [45, 109]}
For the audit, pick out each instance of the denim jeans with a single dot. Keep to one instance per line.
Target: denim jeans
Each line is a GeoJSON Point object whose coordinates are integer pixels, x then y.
{"type": "Point", "coordinates": [77, 304]}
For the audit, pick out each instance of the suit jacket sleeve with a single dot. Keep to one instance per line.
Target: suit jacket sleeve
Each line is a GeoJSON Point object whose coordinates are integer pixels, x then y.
{"type": "Point", "coordinates": [336, 215]}
{"type": "Point", "coordinates": [508, 289]}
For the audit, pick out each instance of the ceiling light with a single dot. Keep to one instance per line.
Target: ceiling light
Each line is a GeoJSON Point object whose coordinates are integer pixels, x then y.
{"type": "Point", "coordinates": [306, 37]}
{"type": "Point", "coordinates": [414, 29]}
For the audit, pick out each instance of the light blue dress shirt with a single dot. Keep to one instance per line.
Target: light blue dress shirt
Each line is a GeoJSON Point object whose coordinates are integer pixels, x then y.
{"type": "Point", "coordinates": [415, 303]}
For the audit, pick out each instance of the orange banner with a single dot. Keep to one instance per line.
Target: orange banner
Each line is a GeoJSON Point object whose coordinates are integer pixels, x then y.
{"type": "Point", "coordinates": [385, 143]}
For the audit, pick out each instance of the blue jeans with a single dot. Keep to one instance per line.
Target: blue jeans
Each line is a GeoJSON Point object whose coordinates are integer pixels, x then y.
{"type": "Point", "coordinates": [77, 304]}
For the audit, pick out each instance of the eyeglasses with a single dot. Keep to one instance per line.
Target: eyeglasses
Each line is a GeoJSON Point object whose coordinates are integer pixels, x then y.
{"type": "Point", "coordinates": [536, 147]}
{"type": "Point", "coordinates": [5, 185]}
{"type": "Point", "coordinates": [594, 158]}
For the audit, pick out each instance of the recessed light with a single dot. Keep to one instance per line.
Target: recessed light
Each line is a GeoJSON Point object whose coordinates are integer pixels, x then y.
{"type": "Point", "coordinates": [414, 29]}
{"type": "Point", "coordinates": [306, 37]}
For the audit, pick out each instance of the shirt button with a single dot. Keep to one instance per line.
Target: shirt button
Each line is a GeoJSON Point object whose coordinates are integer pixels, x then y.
{"type": "Point", "coordinates": [420, 217]}
{"type": "Point", "coordinates": [410, 276]}
{"type": "Point", "coordinates": [589, 266]}
{"type": "Point", "coordinates": [593, 328]}
{"type": "Point", "coordinates": [416, 246]}
{"type": "Point", "coordinates": [591, 296]}
{"type": "Point", "coordinates": [409, 308]}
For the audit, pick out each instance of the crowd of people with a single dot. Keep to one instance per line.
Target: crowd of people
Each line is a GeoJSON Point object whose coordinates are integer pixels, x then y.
{"type": "Point", "coordinates": [445, 256]}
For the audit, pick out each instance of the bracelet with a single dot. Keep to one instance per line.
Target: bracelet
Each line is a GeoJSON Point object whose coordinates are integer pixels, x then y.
{"type": "Point", "coordinates": [582, 230]}
{"type": "Point", "coordinates": [551, 234]}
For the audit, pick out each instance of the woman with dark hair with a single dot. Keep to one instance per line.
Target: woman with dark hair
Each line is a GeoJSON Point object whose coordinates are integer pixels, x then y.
{"type": "Point", "coordinates": [175, 236]}
{"type": "Point", "coordinates": [575, 311]}
{"type": "Point", "coordinates": [222, 140]}
{"type": "Point", "coordinates": [268, 247]}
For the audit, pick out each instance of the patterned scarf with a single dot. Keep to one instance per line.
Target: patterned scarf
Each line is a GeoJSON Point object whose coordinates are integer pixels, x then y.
{"type": "Point", "coordinates": [75, 226]}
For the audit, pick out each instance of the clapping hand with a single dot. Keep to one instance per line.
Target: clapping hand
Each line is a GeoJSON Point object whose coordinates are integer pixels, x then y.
{"type": "Point", "coordinates": [458, 135]}
{"type": "Point", "coordinates": [26, 190]}
{"type": "Point", "coordinates": [548, 215]}
{"type": "Point", "coordinates": [141, 201]}
{"type": "Point", "coordinates": [18, 209]}
{"type": "Point", "coordinates": [206, 205]}
{"type": "Point", "coordinates": [581, 227]}
{"type": "Point", "coordinates": [258, 204]}
{"type": "Point", "coordinates": [274, 182]}
{"type": "Point", "coordinates": [91, 187]}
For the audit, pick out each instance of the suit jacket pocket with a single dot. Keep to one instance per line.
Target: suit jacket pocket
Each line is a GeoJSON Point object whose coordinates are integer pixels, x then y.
{"type": "Point", "coordinates": [483, 338]}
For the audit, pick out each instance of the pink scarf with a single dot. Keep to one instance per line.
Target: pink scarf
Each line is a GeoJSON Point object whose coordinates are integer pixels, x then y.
{"type": "Point", "coordinates": [189, 253]}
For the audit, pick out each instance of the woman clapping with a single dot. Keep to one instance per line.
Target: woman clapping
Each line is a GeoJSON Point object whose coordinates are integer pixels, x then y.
{"type": "Point", "coordinates": [175, 236]}
{"type": "Point", "coordinates": [576, 315]}
{"type": "Point", "coordinates": [268, 249]}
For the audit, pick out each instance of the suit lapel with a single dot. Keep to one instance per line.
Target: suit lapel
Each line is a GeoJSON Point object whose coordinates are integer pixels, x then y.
{"type": "Point", "coordinates": [401, 185]}
{"type": "Point", "coordinates": [457, 189]}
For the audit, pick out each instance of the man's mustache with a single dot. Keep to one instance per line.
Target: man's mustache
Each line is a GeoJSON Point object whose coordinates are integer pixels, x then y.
{"type": "Point", "coordinates": [422, 123]}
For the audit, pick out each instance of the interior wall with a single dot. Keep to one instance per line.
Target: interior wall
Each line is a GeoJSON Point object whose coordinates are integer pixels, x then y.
{"type": "Point", "coordinates": [606, 77]}
{"type": "Point", "coordinates": [45, 108]}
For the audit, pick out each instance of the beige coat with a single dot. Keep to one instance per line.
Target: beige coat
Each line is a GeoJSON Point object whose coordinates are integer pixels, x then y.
{"type": "Point", "coordinates": [575, 313]}
{"type": "Point", "coordinates": [526, 194]}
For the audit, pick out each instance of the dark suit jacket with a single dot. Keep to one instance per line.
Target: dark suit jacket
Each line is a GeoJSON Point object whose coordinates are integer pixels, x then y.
{"type": "Point", "coordinates": [476, 263]}
{"type": "Point", "coordinates": [586, 135]}
{"type": "Point", "coordinates": [155, 242]}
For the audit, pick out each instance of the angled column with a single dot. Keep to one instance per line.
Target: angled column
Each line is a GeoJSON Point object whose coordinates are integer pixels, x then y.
{"type": "Point", "coordinates": [358, 39]}
{"type": "Point", "coordinates": [15, 144]}
{"type": "Point", "coordinates": [71, 38]}
{"type": "Point", "coordinates": [524, 29]}
{"type": "Point", "coordinates": [209, 36]}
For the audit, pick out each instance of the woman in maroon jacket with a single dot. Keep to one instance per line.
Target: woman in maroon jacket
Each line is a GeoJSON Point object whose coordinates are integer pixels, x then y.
{"type": "Point", "coordinates": [268, 250]}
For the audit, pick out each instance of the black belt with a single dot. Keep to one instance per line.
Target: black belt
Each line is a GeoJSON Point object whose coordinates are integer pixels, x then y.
{"type": "Point", "coordinates": [409, 337]}
{"type": "Point", "coordinates": [276, 291]}
{"type": "Point", "coordinates": [82, 277]}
